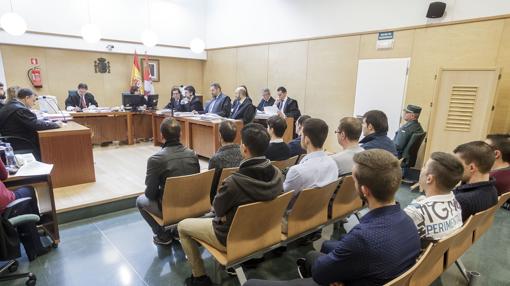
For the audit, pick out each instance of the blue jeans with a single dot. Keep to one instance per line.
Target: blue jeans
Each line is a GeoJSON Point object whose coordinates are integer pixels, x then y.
{"type": "Point", "coordinates": [28, 231]}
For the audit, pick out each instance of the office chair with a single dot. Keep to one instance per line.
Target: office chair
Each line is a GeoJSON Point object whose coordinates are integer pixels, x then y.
{"type": "Point", "coordinates": [10, 217]}
{"type": "Point", "coordinates": [409, 156]}
{"type": "Point", "coordinates": [22, 146]}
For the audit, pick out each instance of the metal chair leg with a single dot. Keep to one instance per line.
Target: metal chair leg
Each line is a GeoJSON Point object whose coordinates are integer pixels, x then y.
{"type": "Point", "coordinates": [240, 274]}
{"type": "Point", "coordinates": [472, 277]}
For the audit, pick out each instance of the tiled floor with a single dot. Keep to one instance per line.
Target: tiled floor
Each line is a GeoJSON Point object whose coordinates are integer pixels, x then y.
{"type": "Point", "coordinates": [117, 249]}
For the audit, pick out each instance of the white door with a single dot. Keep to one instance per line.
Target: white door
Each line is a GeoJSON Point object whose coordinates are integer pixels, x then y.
{"type": "Point", "coordinates": [381, 85]}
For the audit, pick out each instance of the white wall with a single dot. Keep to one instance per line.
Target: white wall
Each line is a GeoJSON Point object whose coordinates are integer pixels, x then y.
{"type": "Point", "coordinates": [176, 22]}
{"type": "Point", "coordinates": [242, 22]}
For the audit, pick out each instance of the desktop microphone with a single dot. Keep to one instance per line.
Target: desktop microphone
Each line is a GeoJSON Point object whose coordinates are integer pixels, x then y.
{"type": "Point", "coordinates": [59, 110]}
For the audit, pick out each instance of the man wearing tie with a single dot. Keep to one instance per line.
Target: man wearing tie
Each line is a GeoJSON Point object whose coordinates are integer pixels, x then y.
{"type": "Point", "coordinates": [220, 103]}
{"type": "Point", "coordinates": [267, 99]}
{"type": "Point", "coordinates": [80, 99]}
{"type": "Point", "coordinates": [243, 108]}
{"type": "Point", "coordinates": [287, 105]}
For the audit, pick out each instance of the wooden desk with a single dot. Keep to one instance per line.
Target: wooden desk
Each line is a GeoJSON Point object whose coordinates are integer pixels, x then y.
{"type": "Point", "coordinates": [44, 189]}
{"type": "Point", "coordinates": [107, 126]}
{"type": "Point", "coordinates": [69, 149]}
{"type": "Point", "coordinates": [200, 135]}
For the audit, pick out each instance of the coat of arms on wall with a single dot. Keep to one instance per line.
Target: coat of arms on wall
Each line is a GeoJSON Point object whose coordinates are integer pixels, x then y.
{"type": "Point", "coordinates": [101, 65]}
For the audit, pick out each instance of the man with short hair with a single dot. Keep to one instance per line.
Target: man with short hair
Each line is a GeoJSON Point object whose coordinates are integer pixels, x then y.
{"type": "Point", "coordinates": [382, 246]}
{"type": "Point", "coordinates": [16, 119]}
{"type": "Point", "coordinates": [220, 103]}
{"type": "Point", "coordinates": [287, 105]}
{"type": "Point", "coordinates": [277, 149]}
{"type": "Point", "coordinates": [501, 168]}
{"type": "Point", "coordinates": [316, 169]}
{"type": "Point", "coordinates": [194, 103]}
{"type": "Point", "coordinates": [375, 130]}
{"type": "Point", "coordinates": [267, 99]}
{"type": "Point", "coordinates": [228, 156]}
{"type": "Point", "coordinates": [243, 108]}
{"type": "Point", "coordinates": [347, 134]}
{"type": "Point", "coordinates": [171, 161]}
{"type": "Point", "coordinates": [477, 192]}
{"type": "Point", "coordinates": [257, 180]}
{"type": "Point", "coordinates": [410, 114]}
{"type": "Point", "coordinates": [438, 213]}
{"type": "Point", "coordinates": [80, 99]}
{"type": "Point", "coordinates": [295, 145]}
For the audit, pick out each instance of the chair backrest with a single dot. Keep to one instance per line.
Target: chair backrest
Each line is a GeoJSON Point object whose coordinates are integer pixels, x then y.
{"type": "Point", "coordinates": [285, 163]}
{"type": "Point", "coordinates": [433, 265]}
{"type": "Point", "coordinates": [404, 278]}
{"type": "Point", "coordinates": [463, 240]}
{"type": "Point", "coordinates": [485, 222]}
{"type": "Point", "coordinates": [502, 199]}
{"type": "Point", "coordinates": [310, 209]}
{"type": "Point", "coordinates": [186, 196]}
{"type": "Point", "coordinates": [226, 172]}
{"type": "Point", "coordinates": [410, 152]}
{"type": "Point", "coordinates": [347, 199]}
{"type": "Point", "coordinates": [256, 226]}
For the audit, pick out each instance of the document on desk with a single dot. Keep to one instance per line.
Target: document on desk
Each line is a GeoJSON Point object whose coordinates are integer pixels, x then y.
{"type": "Point", "coordinates": [34, 168]}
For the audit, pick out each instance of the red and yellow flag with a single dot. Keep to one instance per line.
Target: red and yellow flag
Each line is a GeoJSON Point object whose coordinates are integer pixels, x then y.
{"type": "Point", "coordinates": [136, 75]}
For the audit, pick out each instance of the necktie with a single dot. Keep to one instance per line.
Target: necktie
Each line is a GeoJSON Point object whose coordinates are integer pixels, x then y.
{"type": "Point", "coordinates": [83, 102]}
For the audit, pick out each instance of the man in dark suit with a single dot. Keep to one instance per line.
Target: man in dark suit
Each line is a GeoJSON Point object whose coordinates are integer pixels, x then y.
{"type": "Point", "coordinates": [80, 99]}
{"type": "Point", "coordinates": [406, 131]}
{"type": "Point", "coordinates": [277, 149]}
{"type": "Point", "coordinates": [243, 108]}
{"type": "Point", "coordinates": [194, 104]}
{"type": "Point", "coordinates": [295, 145]}
{"type": "Point", "coordinates": [16, 119]}
{"type": "Point", "coordinates": [220, 103]}
{"type": "Point", "coordinates": [287, 105]}
{"type": "Point", "coordinates": [267, 99]}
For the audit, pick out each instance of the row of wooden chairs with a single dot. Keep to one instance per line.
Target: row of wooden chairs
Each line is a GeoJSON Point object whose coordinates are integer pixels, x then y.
{"type": "Point", "coordinates": [257, 227]}
{"type": "Point", "coordinates": [437, 257]}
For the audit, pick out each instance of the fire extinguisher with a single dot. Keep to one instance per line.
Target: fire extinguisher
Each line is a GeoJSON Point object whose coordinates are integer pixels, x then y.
{"type": "Point", "coordinates": [34, 75]}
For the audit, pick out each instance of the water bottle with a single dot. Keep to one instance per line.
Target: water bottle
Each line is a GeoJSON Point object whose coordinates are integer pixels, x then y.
{"type": "Point", "coordinates": [10, 162]}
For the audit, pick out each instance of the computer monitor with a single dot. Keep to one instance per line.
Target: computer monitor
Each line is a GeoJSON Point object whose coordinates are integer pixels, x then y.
{"type": "Point", "coordinates": [131, 101]}
{"type": "Point", "coordinates": [48, 104]}
{"type": "Point", "coordinates": [152, 101]}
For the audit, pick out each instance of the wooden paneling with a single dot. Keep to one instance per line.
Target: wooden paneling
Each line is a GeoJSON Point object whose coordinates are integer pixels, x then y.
{"type": "Point", "coordinates": [402, 48]}
{"type": "Point", "coordinates": [287, 67]}
{"type": "Point", "coordinates": [252, 68]}
{"type": "Point", "coordinates": [473, 45]}
{"type": "Point", "coordinates": [331, 82]}
{"type": "Point", "coordinates": [220, 67]}
{"type": "Point", "coordinates": [501, 122]}
{"type": "Point", "coordinates": [62, 70]}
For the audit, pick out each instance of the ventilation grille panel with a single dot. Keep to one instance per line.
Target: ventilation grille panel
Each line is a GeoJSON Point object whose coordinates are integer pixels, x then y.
{"type": "Point", "coordinates": [461, 108]}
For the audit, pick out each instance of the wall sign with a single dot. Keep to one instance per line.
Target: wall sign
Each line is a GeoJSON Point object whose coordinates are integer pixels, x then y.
{"type": "Point", "coordinates": [385, 36]}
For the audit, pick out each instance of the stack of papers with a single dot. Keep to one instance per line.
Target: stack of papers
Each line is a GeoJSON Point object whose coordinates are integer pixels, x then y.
{"type": "Point", "coordinates": [34, 168]}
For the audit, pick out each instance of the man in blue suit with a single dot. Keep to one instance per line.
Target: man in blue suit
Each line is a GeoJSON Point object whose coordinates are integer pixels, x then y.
{"type": "Point", "coordinates": [220, 103]}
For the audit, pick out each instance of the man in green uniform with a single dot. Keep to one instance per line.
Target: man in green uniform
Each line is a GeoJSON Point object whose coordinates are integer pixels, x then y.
{"type": "Point", "coordinates": [406, 131]}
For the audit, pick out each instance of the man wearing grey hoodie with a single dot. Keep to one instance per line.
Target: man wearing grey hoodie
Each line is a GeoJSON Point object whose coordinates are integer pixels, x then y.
{"type": "Point", "coordinates": [257, 180]}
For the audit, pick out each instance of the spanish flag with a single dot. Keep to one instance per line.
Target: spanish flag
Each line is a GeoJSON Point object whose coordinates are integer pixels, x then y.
{"type": "Point", "coordinates": [136, 75]}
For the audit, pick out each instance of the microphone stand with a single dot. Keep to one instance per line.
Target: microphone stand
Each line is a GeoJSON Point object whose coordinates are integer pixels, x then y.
{"type": "Point", "coordinates": [59, 110]}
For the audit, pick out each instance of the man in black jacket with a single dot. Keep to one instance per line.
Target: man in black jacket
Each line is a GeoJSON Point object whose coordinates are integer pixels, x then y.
{"type": "Point", "coordinates": [80, 99]}
{"type": "Point", "coordinates": [220, 103]}
{"type": "Point", "coordinates": [243, 108]}
{"type": "Point", "coordinates": [257, 180]}
{"type": "Point", "coordinates": [171, 161]}
{"type": "Point", "coordinates": [16, 119]}
{"type": "Point", "coordinates": [194, 104]}
{"type": "Point", "coordinates": [295, 145]}
{"type": "Point", "coordinates": [277, 149]}
{"type": "Point", "coordinates": [267, 99]}
{"type": "Point", "coordinates": [287, 105]}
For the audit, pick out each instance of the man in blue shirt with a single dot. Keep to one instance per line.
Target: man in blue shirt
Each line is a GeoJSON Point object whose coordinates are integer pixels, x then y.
{"type": "Point", "coordinates": [382, 246]}
{"type": "Point", "coordinates": [220, 103]}
{"type": "Point", "coordinates": [375, 130]}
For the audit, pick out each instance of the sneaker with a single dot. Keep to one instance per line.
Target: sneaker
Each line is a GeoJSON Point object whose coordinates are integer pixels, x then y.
{"type": "Point", "coordinates": [203, 280]}
{"type": "Point", "coordinates": [301, 269]}
{"type": "Point", "coordinates": [162, 241]}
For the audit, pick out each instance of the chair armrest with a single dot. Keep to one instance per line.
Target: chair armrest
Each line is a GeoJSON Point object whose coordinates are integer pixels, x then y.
{"type": "Point", "coordinates": [10, 209]}
{"type": "Point", "coordinates": [21, 219]}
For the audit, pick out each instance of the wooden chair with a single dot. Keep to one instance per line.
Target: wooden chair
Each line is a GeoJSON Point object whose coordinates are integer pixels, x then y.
{"type": "Point", "coordinates": [346, 200]}
{"type": "Point", "coordinates": [502, 199]}
{"type": "Point", "coordinates": [309, 212]}
{"type": "Point", "coordinates": [285, 163]}
{"type": "Point", "coordinates": [185, 197]}
{"type": "Point", "coordinates": [256, 229]}
{"type": "Point", "coordinates": [433, 265]}
{"type": "Point", "coordinates": [404, 278]}
{"type": "Point", "coordinates": [485, 223]}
